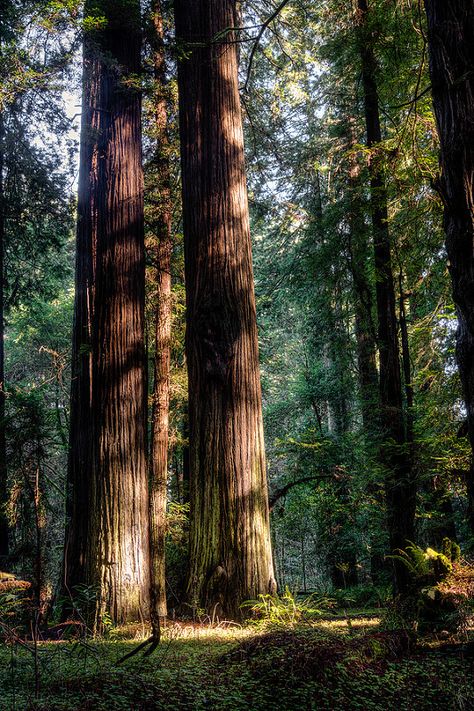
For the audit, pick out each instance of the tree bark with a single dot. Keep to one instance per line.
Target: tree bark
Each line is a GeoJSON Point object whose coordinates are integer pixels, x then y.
{"type": "Point", "coordinates": [161, 389]}
{"type": "Point", "coordinates": [400, 487]}
{"type": "Point", "coordinates": [230, 548]}
{"type": "Point", "coordinates": [451, 49]}
{"type": "Point", "coordinates": [406, 361]}
{"type": "Point", "coordinates": [107, 545]}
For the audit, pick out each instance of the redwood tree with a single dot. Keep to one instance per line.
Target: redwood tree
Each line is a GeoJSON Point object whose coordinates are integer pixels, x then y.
{"type": "Point", "coordinates": [230, 550]}
{"type": "Point", "coordinates": [400, 486]}
{"type": "Point", "coordinates": [451, 48]}
{"type": "Point", "coordinates": [107, 544]}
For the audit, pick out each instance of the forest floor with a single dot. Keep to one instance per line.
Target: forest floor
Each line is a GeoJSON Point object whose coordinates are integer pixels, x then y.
{"type": "Point", "coordinates": [335, 665]}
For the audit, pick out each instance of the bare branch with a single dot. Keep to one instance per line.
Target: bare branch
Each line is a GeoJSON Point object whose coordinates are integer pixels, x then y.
{"type": "Point", "coordinates": [259, 37]}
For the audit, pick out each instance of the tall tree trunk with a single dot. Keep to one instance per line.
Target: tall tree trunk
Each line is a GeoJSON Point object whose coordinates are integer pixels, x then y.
{"type": "Point", "coordinates": [407, 376]}
{"type": "Point", "coordinates": [161, 389]}
{"type": "Point", "coordinates": [4, 547]}
{"type": "Point", "coordinates": [230, 549]}
{"type": "Point", "coordinates": [107, 546]}
{"type": "Point", "coordinates": [362, 290]}
{"type": "Point", "coordinates": [451, 48]}
{"type": "Point", "coordinates": [400, 489]}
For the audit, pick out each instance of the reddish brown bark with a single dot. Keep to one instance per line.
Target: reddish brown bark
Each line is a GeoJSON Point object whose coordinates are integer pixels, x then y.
{"type": "Point", "coordinates": [451, 48]}
{"type": "Point", "coordinates": [107, 544]}
{"type": "Point", "coordinates": [230, 549]}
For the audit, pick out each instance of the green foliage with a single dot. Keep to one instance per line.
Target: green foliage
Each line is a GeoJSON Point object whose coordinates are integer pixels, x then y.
{"type": "Point", "coordinates": [424, 565]}
{"type": "Point", "coordinates": [362, 597]}
{"type": "Point", "coordinates": [177, 538]}
{"type": "Point", "coordinates": [234, 670]}
{"type": "Point", "coordinates": [451, 550]}
{"type": "Point", "coordinates": [436, 601]}
{"type": "Point", "coordinates": [285, 609]}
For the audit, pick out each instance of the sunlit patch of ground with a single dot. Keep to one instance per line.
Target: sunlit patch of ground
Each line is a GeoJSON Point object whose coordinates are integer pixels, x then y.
{"type": "Point", "coordinates": [340, 664]}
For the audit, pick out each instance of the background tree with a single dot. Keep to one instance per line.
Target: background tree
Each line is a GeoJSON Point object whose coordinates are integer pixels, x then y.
{"type": "Point", "coordinates": [34, 202]}
{"type": "Point", "coordinates": [400, 487]}
{"type": "Point", "coordinates": [162, 256]}
{"type": "Point", "coordinates": [303, 63]}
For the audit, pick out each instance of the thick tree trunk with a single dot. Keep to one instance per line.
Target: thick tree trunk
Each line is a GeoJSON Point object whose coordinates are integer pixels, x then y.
{"type": "Point", "coordinates": [400, 488]}
{"type": "Point", "coordinates": [230, 549]}
{"type": "Point", "coordinates": [161, 389]}
{"type": "Point", "coordinates": [451, 48]}
{"type": "Point", "coordinates": [107, 546]}
{"type": "Point", "coordinates": [4, 547]}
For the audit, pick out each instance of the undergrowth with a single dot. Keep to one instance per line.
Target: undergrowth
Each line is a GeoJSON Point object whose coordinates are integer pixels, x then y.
{"type": "Point", "coordinates": [325, 665]}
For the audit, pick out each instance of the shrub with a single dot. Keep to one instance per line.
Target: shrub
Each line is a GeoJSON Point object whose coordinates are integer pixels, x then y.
{"type": "Point", "coordinates": [285, 609]}
{"type": "Point", "coordinates": [434, 602]}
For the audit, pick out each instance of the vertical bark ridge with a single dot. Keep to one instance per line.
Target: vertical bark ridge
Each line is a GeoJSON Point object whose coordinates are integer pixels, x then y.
{"type": "Point", "coordinates": [451, 48]}
{"type": "Point", "coordinates": [230, 550]}
{"type": "Point", "coordinates": [108, 537]}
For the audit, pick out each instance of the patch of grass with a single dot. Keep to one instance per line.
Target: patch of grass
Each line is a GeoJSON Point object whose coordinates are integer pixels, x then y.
{"type": "Point", "coordinates": [321, 666]}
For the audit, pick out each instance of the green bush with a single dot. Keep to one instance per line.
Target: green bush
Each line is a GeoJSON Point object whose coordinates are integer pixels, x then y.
{"type": "Point", "coordinates": [285, 609]}
{"type": "Point", "coordinates": [430, 605]}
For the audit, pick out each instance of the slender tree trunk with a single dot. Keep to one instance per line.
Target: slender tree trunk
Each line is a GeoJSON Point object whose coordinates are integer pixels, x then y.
{"type": "Point", "coordinates": [4, 547]}
{"type": "Point", "coordinates": [108, 546]}
{"type": "Point", "coordinates": [363, 293]}
{"type": "Point", "coordinates": [400, 487]}
{"type": "Point", "coordinates": [407, 376]}
{"type": "Point", "coordinates": [451, 48]}
{"type": "Point", "coordinates": [367, 368]}
{"type": "Point", "coordinates": [230, 549]}
{"type": "Point", "coordinates": [38, 587]}
{"type": "Point", "coordinates": [303, 564]}
{"type": "Point", "coordinates": [161, 388]}
{"type": "Point", "coordinates": [365, 331]}
{"type": "Point", "coordinates": [185, 456]}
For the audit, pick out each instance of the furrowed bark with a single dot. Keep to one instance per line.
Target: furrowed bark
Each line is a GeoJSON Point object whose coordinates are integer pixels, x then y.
{"type": "Point", "coordinates": [451, 49]}
{"type": "Point", "coordinates": [108, 547]}
{"type": "Point", "coordinates": [230, 549]}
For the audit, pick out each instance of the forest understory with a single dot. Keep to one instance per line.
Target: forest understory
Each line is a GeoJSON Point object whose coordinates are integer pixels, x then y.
{"type": "Point", "coordinates": [347, 662]}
